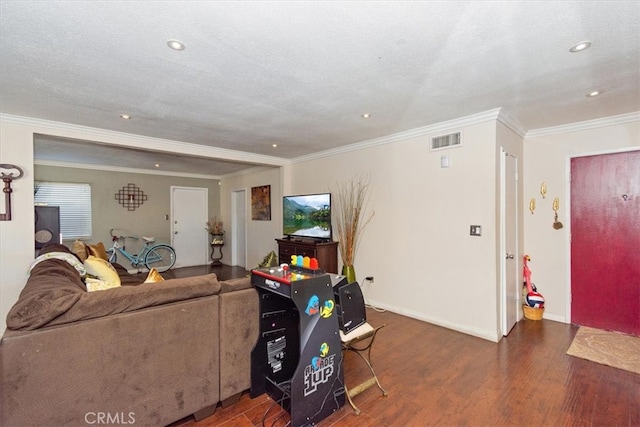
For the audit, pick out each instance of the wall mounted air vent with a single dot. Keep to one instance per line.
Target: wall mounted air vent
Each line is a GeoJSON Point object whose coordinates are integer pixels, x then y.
{"type": "Point", "coordinates": [443, 142]}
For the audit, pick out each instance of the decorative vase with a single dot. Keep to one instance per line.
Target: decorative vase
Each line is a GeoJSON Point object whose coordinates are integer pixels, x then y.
{"type": "Point", "coordinates": [349, 272]}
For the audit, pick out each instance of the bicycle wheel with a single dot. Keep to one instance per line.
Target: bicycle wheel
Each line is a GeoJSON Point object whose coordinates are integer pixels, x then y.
{"type": "Point", "coordinates": [112, 256]}
{"type": "Point", "coordinates": [160, 257]}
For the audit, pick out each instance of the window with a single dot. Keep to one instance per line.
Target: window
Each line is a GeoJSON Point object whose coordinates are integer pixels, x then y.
{"type": "Point", "coordinates": [74, 201]}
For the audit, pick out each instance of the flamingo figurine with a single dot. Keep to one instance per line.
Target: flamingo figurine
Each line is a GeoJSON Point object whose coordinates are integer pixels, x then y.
{"type": "Point", "coordinates": [533, 298]}
{"type": "Point", "coordinates": [526, 273]}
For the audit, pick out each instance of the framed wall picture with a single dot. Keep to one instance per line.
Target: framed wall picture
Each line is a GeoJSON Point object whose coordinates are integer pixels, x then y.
{"type": "Point", "coordinates": [261, 203]}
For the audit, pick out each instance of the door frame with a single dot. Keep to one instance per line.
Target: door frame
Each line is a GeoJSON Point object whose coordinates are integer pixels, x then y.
{"type": "Point", "coordinates": [238, 197]}
{"type": "Point", "coordinates": [567, 218]}
{"type": "Point", "coordinates": [504, 329]}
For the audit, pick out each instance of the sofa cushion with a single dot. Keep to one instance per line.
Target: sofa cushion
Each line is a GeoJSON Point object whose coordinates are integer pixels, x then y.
{"type": "Point", "coordinates": [239, 330]}
{"type": "Point", "coordinates": [50, 302]}
{"type": "Point", "coordinates": [131, 298]}
{"type": "Point", "coordinates": [52, 288]}
{"type": "Point", "coordinates": [232, 285]}
{"type": "Point", "coordinates": [98, 250]}
{"type": "Point", "coordinates": [79, 248]}
{"type": "Point", "coordinates": [103, 271]}
{"type": "Point", "coordinates": [82, 250]}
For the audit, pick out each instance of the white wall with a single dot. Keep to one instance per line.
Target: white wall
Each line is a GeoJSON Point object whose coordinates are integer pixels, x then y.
{"type": "Point", "coordinates": [547, 153]}
{"type": "Point", "coordinates": [260, 235]}
{"type": "Point", "coordinates": [16, 236]}
{"type": "Point", "coordinates": [417, 246]}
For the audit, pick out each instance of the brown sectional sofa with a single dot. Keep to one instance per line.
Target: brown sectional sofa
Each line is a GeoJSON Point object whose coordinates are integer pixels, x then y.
{"type": "Point", "coordinates": [143, 354]}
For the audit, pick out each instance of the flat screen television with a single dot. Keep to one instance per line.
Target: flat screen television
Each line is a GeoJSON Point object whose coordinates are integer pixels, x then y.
{"type": "Point", "coordinates": [307, 216]}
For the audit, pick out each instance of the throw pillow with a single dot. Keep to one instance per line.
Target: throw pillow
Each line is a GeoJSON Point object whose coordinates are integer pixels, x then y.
{"type": "Point", "coordinates": [98, 250]}
{"type": "Point", "coordinates": [102, 270]}
{"type": "Point", "coordinates": [80, 250]}
{"type": "Point", "coordinates": [153, 276]}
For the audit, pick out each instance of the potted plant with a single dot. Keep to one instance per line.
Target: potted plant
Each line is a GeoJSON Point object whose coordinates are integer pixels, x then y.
{"type": "Point", "coordinates": [214, 227]}
{"type": "Point", "coordinates": [349, 220]}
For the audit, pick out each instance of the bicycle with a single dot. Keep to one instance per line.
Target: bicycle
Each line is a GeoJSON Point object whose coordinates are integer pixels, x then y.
{"type": "Point", "coordinates": [159, 256]}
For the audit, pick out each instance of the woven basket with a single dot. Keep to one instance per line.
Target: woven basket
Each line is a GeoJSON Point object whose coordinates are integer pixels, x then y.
{"type": "Point", "coordinates": [532, 313]}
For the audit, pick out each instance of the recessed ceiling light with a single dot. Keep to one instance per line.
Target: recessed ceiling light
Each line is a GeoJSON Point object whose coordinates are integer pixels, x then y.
{"type": "Point", "coordinates": [274, 145]}
{"type": "Point", "coordinates": [366, 115]}
{"type": "Point", "coordinates": [580, 46]}
{"type": "Point", "coordinates": [594, 93]}
{"type": "Point", "coordinates": [157, 165]}
{"type": "Point", "coordinates": [175, 45]}
{"type": "Point", "coordinates": [125, 116]}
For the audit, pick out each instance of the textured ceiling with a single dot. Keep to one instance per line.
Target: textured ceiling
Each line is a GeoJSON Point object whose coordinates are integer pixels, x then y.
{"type": "Point", "coordinates": [301, 74]}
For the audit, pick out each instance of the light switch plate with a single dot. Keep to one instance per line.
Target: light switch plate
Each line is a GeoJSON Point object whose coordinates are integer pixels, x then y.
{"type": "Point", "coordinates": [475, 230]}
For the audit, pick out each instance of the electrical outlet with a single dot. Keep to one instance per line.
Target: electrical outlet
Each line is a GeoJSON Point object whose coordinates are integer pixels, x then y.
{"type": "Point", "coordinates": [369, 278]}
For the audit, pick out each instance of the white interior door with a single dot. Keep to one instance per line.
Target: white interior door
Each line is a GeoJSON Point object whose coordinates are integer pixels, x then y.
{"type": "Point", "coordinates": [510, 282]}
{"type": "Point", "coordinates": [189, 214]}
{"type": "Point", "coordinates": [238, 221]}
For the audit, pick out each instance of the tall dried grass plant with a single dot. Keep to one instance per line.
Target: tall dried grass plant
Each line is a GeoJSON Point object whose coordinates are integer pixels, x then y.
{"type": "Point", "coordinates": [349, 215]}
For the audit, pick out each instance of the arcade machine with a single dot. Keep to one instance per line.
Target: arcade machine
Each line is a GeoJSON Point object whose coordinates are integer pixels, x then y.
{"type": "Point", "coordinates": [297, 359]}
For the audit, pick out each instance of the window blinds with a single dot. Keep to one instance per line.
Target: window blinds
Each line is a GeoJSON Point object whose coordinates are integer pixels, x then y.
{"type": "Point", "coordinates": [74, 201]}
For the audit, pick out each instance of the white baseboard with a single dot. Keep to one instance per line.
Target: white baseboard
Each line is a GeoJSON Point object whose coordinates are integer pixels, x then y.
{"type": "Point", "coordinates": [480, 333]}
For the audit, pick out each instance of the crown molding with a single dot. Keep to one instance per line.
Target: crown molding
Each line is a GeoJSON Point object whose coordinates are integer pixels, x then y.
{"type": "Point", "coordinates": [140, 142]}
{"type": "Point", "coordinates": [150, 171]}
{"type": "Point", "coordinates": [585, 125]}
{"type": "Point", "coordinates": [249, 171]}
{"type": "Point", "coordinates": [511, 123]}
{"type": "Point", "coordinates": [121, 169]}
{"type": "Point", "coordinates": [433, 129]}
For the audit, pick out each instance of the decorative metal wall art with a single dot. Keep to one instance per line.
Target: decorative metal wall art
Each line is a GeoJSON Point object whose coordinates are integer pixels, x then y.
{"type": "Point", "coordinates": [130, 197]}
{"type": "Point", "coordinates": [7, 178]}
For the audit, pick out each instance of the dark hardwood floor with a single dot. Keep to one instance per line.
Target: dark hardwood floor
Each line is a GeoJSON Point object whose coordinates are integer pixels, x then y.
{"type": "Point", "coordinates": [224, 272]}
{"type": "Point", "coordinates": [439, 377]}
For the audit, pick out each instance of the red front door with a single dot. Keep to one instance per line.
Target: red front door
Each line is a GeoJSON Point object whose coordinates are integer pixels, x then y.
{"type": "Point", "coordinates": [605, 241]}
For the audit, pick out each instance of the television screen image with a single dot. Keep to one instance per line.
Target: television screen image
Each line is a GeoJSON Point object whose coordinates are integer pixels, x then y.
{"type": "Point", "coordinates": [307, 216]}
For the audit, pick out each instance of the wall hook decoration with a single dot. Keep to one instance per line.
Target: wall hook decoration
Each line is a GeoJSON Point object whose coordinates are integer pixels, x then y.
{"type": "Point", "coordinates": [543, 189]}
{"type": "Point", "coordinates": [532, 205]}
{"type": "Point", "coordinates": [7, 178]}
{"type": "Point", "coordinates": [556, 205]}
